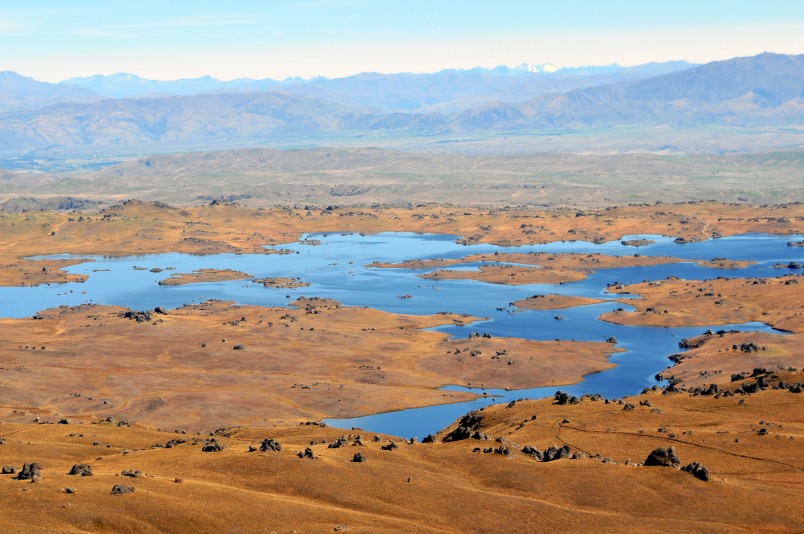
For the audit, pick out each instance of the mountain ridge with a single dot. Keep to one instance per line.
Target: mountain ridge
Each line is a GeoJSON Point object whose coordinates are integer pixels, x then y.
{"type": "Point", "coordinates": [22, 92]}
{"type": "Point", "coordinates": [449, 90]}
{"type": "Point", "coordinates": [741, 91]}
{"type": "Point", "coordinates": [758, 92]}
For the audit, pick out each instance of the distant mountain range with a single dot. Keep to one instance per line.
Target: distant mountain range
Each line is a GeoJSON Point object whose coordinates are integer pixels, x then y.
{"type": "Point", "coordinates": [456, 90]}
{"type": "Point", "coordinates": [764, 91]}
{"type": "Point", "coordinates": [19, 92]}
{"type": "Point", "coordinates": [448, 90]}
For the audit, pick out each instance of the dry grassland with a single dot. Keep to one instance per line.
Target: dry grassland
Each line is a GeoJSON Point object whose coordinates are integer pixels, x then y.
{"type": "Point", "coordinates": [269, 372]}
{"type": "Point", "coordinates": [755, 476]}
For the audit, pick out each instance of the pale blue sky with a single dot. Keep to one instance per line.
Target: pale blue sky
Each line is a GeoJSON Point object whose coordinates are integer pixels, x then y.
{"type": "Point", "coordinates": [167, 39]}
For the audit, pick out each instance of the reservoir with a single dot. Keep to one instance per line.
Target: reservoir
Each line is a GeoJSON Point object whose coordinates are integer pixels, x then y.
{"type": "Point", "coordinates": [338, 266]}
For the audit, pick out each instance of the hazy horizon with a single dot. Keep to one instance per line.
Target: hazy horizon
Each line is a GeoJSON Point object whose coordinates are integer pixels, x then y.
{"type": "Point", "coordinates": [382, 73]}
{"type": "Point", "coordinates": [50, 41]}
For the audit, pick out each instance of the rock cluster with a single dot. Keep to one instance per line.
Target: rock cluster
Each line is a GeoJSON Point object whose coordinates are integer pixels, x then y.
{"type": "Point", "coordinates": [550, 454]}
{"type": "Point", "coordinates": [468, 427]}
{"type": "Point", "coordinates": [270, 445]}
{"type": "Point", "coordinates": [213, 445]}
{"type": "Point", "coordinates": [139, 316]}
{"type": "Point", "coordinates": [663, 457]}
{"type": "Point", "coordinates": [563, 398]}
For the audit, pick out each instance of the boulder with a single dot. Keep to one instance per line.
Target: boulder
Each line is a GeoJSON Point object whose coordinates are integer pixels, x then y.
{"type": "Point", "coordinates": [505, 451]}
{"type": "Point", "coordinates": [458, 434]}
{"type": "Point", "coordinates": [213, 445]}
{"type": "Point", "coordinates": [563, 398]}
{"type": "Point", "coordinates": [550, 454]}
{"type": "Point", "coordinates": [554, 453]}
{"type": "Point", "coordinates": [340, 442]}
{"type": "Point", "coordinates": [697, 470]}
{"type": "Point", "coordinates": [663, 457]}
{"type": "Point", "coordinates": [139, 316]}
{"type": "Point", "coordinates": [84, 470]}
{"type": "Point", "coordinates": [468, 424]}
{"type": "Point", "coordinates": [308, 453]}
{"type": "Point", "coordinates": [711, 390]}
{"type": "Point", "coordinates": [31, 472]}
{"type": "Point", "coordinates": [270, 445]}
{"type": "Point", "coordinates": [530, 450]}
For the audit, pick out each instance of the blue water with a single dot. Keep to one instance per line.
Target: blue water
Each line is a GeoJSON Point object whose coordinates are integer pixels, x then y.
{"type": "Point", "coordinates": [339, 268]}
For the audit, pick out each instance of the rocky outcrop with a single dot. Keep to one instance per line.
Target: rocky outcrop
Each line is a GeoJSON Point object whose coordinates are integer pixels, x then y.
{"type": "Point", "coordinates": [467, 427]}
{"type": "Point", "coordinates": [550, 454]}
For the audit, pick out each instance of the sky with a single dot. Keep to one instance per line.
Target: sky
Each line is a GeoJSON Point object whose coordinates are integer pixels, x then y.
{"type": "Point", "coordinates": [52, 40]}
